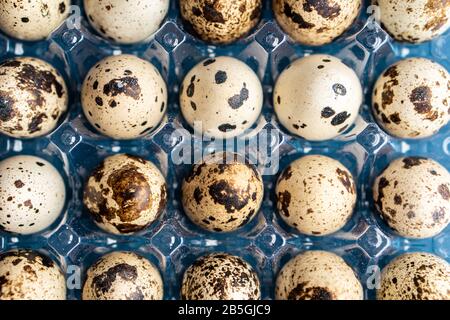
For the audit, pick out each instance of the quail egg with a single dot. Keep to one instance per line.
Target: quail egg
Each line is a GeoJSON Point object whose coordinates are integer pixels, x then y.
{"type": "Point", "coordinates": [317, 97]}
{"type": "Point", "coordinates": [316, 195]}
{"type": "Point", "coordinates": [124, 97]}
{"type": "Point", "coordinates": [123, 276]}
{"type": "Point", "coordinates": [415, 276]}
{"type": "Point", "coordinates": [125, 194]}
{"type": "Point", "coordinates": [222, 196]}
{"type": "Point", "coordinates": [32, 194]}
{"type": "Point", "coordinates": [221, 21]}
{"type": "Point", "coordinates": [126, 21]}
{"type": "Point", "coordinates": [220, 276]}
{"type": "Point", "coordinates": [411, 98]}
{"type": "Point", "coordinates": [33, 96]}
{"type": "Point", "coordinates": [414, 21]}
{"type": "Point", "coordinates": [30, 275]}
{"type": "Point", "coordinates": [316, 22]}
{"type": "Point", "coordinates": [413, 196]}
{"type": "Point", "coordinates": [221, 97]}
{"type": "Point", "coordinates": [32, 20]}
{"type": "Point", "coordinates": [318, 275]}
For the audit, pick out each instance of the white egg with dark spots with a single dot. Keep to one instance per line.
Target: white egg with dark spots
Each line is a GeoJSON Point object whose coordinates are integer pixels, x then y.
{"type": "Point", "coordinates": [316, 22]}
{"type": "Point", "coordinates": [220, 276]}
{"type": "Point", "coordinates": [33, 97]}
{"type": "Point", "coordinates": [32, 194]}
{"type": "Point", "coordinates": [222, 97]}
{"type": "Point", "coordinates": [124, 97]}
{"type": "Point", "coordinates": [32, 20]}
{"type": "Point", "coordinates": [317, 97]}
{"type": "Point", "coordinates": [316, 195]}
{"type": "Point", "coordinates": [318, 275]}
{"type": "Point", "coordinates": [413, 196]}
{"type": "Point", "coordinates": [411, 98]}
{"type": "Point", "coordinates": [125, 194]}
{"type": "Point", "coordinates": [126, 21]}
{"type": "Point", "coordinates": [123, 276]}
{"type": "Point", "coordinates": [415, 276]}
{"type": "Point", "coordinates": [30, 275]}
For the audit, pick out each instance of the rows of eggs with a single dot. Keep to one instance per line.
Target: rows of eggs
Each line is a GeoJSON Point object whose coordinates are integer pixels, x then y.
{"type": "Point", "coordinates": [410, 100]}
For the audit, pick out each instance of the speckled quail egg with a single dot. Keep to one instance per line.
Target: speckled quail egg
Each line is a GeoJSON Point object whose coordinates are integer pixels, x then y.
{"type": "Point", "coordinates": [316, 22]}
{"type": "Point", "coordinates": [125, 194]}
{"type": "Point", "coordinates": [126, 21]}
{"type": "Point", "coordinates": [220, 276]}
{"type": "Point", "coordinates": [222, 196]}
{"type": "Point", "coordinates": [413, 197]}
{"type": "Point", "coordinates": [123, 276]}
{"type": "Point", "coordinates": [221, 21]}
{"type": "Point", "coordinates": [124, 97]}
{"type": "Point", "coordinates": [415, 276]}
{"type": "Point", "coordinates": [30, 275]}
{"type": "Point", "coordinates": [33, 96]}
{"type": "Point", "coordinates": [222, 97]}
{"type": "Point", "coordinates": [32, 20]}
{"type": "Point", "coordinates": [317, 97]}
{"type": "Point", "coordinates": [411, 98]}
{"type": "Point", "coordinates": [316, 195]}
{"type": "Point", "coordinates": [318, 275]}
{"type": "Point", "coordinates": [32, 194]}
{"type": "Point", "coordinates": [414, 21]}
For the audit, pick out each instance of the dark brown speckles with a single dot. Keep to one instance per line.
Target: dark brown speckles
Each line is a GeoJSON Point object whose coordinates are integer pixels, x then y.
{"type": "Point", "coordinates": [339, 89]}
{"type": "Point", "coordinates": [421, 99]}
{"type": "Point", "coordinates": [382, 183]}
{"type": "Point", "coordinates": [128, 86]}
{"type": "Point", "coordinates": [284, 200]}
{"type": "Point", "coordinates": [410, 162]}
{"type": "Point", "coordinates": [35, 123]}
{"type": "Point", "coordinates": [220, 77]}
{"type": "Point", "coordinates": [31, 78]}
{"type": "Point", "coordinates": [303, 292]}
{"type": "Point", "coordinates": [212, 14]}
{"type": "Point", "coordinates": [325, 8]}
{"type": "Point", "coordinates": [346, 179]}
{"type": "Point", "coordinates": [99, 101]}
{"type": "Point", "coordinates": [191, 88]}
{"type": "Point", "coordinates": [18, 184]}
{"type": "Point", "coordinates": [208, 62]}
{"type": "Point", "coordinates": [223, 192]}
{"type": "Point", "coordinates": [296, 18]}
{"type": "Point", "coordinates": [102, 283]}
{"type": "Point", "coordinates": [340, 118]}
{"type": "Point", "coordinates": [226, 127]}
{"type": "Point", "coordinates": [327, 112]}
{"type": "Point", "coordinates": [7, 109]}
{"type": "Point", "coordinates": [395, 118]}
{"type": "Point", "coordinates": [444, 192]}
{"type": "Point", "coordinates": [62, 7]}
{"type": "Point", "coordinates": [236, 101]}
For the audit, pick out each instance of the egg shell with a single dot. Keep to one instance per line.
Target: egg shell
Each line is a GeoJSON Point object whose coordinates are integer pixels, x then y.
{"type": "Point", "coordinates": [413, 196]}
{"type": "Point", "coordinates": [33, 96]}
{"type": "Point", "coordinates": [32, 194]}
{"type": "Point", "coordinates": [126, 21]}
{"type": "Point", "coordinates": [317, 97]}
{"type": "Point", "coordinates": [316, 195]}
{"type": "Point", "coordinates": [414, 21]}
{"type": "Point", "coordinates": [411, 98]}
{"type": "Point", "coordinates": [415, 276]}
{"type": "Point", "coordinates": [30, 275]}
{"type": "Point", "coordinates": [124, 97]}
{"type": "Point", "coordinates": [123, 276]}
{"type": "Point", "coordinates": [32, 20]}
{"type": "Point", "coordinates": [125, 194]}
{"type": "Point", "coordinates": [316, 22]}
{"type": "Point", "coordinates": [222, 196]}
{"type": "Point", "coordinates": [318, 275]}
{"type": "Point", "coordinates": [220, 276]}
{"type": "Point", "coordinates": [221, 21]}
{"type": "Point", "coordinates": [221, 97]}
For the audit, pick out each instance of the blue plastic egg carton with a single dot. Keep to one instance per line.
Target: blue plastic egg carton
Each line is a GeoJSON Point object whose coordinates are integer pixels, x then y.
{"type": "Point", "coordinates": [173, 242]}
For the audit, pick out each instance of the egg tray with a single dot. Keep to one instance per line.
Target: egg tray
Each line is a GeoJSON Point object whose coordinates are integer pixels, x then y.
{"type": "Point", "coordinates": [267, 243]}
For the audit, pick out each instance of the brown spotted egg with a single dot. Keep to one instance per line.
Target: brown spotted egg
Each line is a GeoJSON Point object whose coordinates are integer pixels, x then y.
{"type": "Point", "coordinates": [413, 197]}
{"type": "Point", "coordinates": [222, 196]}
{"type": "Point", "coordinates": [125, 194]}
{"type": "Point", "coordinates": [411, 98]}
{"type": "Point", "coordinates": [126, 21]}
{"type": "Point", "coordinates": [415, 276]}
{"type": "Point", "coordinates": [32, 194]}
{"type": "Point", "coordinates": [30, 275]}
{"type": "Point", "coordinates": [221, 97]}
{"type": "Point", "coordinates": [414, 21]}
{"type": "Point", "coordinates": [318, 275]}
{"type": "Point", "coordinates": [220, 276]}
{"type": "Point", "coordinates": [221, 21]}
{"type": "Point", "coordinates": [316, 22]}
{"type": "Point", "coordinates": [316, 195]}
{"type": "Point", "coordinates": [32, 20]}
{"type": "Point", "coordinates": [124, 97]}
{"type": "Point", "coordinates": [317, 97]}
{"type": "Point", "coordinates": [123, 276]}
{"type": "Point", "coordinates": [33, 96]}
